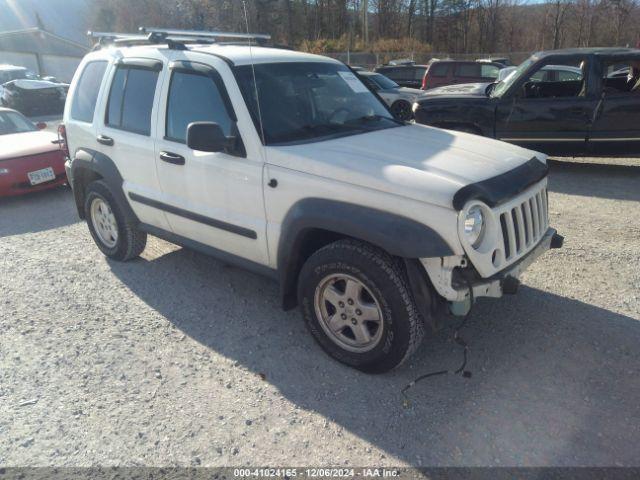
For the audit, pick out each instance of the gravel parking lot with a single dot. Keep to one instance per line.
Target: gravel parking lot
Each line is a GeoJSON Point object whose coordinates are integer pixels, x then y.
{"type": "Point", "coordinates": [177, 359]}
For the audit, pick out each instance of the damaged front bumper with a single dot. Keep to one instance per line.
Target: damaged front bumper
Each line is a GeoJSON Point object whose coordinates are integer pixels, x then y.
{"type": "Point", "coordinates": [458, 284]}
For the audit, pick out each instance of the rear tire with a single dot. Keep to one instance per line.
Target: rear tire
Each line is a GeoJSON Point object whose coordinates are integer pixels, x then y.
{"type": "Point", "coordinates": [357, 304]}
{"type": "Point", "coordinates": [116, 237]}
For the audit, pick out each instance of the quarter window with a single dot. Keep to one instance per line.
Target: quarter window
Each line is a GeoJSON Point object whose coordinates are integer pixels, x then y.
{"type": "Point", "coordinates": [86, 94]}
{"type": "Point", "coordinates": [438, 70]}
{"type": "Point", "coordinates": [194, 98]}
{"type": "Point", "coordinates": [131, 99]}
{"type": "Point", "coordinates": [468, 70]}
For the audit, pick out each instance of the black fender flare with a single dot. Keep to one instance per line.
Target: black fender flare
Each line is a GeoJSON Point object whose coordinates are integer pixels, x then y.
{"type": "Point", "coordinates": [400, 236]}
{"type": "Point", "coordinates": [88, 160]}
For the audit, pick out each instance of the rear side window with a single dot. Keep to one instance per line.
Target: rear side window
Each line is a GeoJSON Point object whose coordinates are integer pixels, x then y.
{"type": "Point", "coordinates": [131, 99]}
{"type": "Point", "coordinates": [467, 70]}
{"type": "Point", "coordinates": [86, 93]}
{"type": "Point", "coordinates": [438, 70]}
{"type": "Point", "coordinates": [392, 73]}
{"type": "Point", "coordinates": [194, 98]}
{"type": "Point", "coordinates": [419, 73]}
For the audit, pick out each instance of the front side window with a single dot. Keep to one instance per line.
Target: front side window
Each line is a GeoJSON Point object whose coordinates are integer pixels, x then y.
{"type": "Point", "coordinates": [131, 99]}
{"type": "Point", "coordinates": [86, 93]}
{"type": "Point", "coordinates": [194, 98]}
{"type": "Point", "coordinates": [310, 101]}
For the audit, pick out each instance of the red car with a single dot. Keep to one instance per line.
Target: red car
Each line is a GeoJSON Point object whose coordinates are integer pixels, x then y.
{"type": "Point", "coordinates": [30, 159]}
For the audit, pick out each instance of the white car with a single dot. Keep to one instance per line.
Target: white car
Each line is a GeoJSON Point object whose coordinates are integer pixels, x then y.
{"type": "Point", "coordinates": [399, 99]}
{"type": "Point", "coordinates": [285, 163]}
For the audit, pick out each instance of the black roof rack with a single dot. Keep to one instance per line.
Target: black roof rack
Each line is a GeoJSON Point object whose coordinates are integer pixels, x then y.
{"type": "Point", "coordinates": [174, 38]}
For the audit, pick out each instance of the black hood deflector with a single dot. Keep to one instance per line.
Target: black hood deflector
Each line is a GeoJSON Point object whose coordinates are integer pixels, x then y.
{"type": "Point", "coordinates": [505, 186]}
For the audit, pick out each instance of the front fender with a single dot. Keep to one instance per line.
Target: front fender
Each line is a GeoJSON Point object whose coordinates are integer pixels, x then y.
{"type": "Point", "coordinates": [400, 236]}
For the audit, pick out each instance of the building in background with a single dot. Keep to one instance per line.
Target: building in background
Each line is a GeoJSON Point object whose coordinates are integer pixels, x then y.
{"type": "Point", "coordinates": [42, 52]}
{"type": "Point", "coordinates": [46, 36]}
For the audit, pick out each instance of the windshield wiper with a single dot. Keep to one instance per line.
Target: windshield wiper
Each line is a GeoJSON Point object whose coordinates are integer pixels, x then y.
{"type": "Point", "coordinates": [374, 118]}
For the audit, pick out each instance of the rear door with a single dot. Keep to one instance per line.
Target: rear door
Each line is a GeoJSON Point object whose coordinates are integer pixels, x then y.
{"type": "Point", "coordinates": [616, 129]}
{"type": "Point", "coordinates": [126, 130]}
{"type": "Point", "coordinates": [86, 88]}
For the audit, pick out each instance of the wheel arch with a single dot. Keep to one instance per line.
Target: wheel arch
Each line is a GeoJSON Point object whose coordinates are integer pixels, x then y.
{"type": "Point", "coordinates": [88, 166]}
{"type": "Point", "coordinates": [313, 223]}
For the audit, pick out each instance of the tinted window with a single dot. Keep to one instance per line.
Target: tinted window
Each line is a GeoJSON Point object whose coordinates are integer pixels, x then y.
{"type": "Point", "coordinates": [438, 70]}
{"type": "Point", "coordinates": [392, 73]}
{"type": "Point", "coordinates": [467, 70]}
{"type": "Point", "coordinates": [194, 98]}
{"type": "Point", "coordinates": [419, 72]}
{"type": "Point", "coordinates": [86, 93]}
{"type": "Point", "coordinates": [489, 71]}
{"type": "Point", "coordinates": [131, 99]}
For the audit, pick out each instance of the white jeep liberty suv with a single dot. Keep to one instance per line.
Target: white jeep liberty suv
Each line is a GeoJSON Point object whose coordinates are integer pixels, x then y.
{"type": "Point", "coordinates": [285, 163]}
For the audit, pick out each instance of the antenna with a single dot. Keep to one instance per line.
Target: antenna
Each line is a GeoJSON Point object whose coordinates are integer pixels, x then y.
{"type": "Point", "coordinates": [253, 72]}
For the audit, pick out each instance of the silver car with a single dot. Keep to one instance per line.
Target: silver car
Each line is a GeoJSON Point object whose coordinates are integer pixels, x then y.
{"type": "Point", "coordinates": [398, 98]}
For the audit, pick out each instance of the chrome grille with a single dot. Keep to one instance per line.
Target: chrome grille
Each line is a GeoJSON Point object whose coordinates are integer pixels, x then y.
{"type": "Point", "coordinates": [524, 224]}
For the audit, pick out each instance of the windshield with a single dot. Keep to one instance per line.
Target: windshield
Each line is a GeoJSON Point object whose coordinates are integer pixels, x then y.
{"type": "Point", "coordinates": [383, 82]}
{"type": "Point", "coordinates": [310, 101]}
{"type": "Point", "coordinates": [504, 85]}
{"type": "Point", "coordinates": [13, 122]}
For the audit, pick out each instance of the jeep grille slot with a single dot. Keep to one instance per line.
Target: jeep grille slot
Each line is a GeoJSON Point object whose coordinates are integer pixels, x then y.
{"type": "Point", "coordinates": [524, 225]}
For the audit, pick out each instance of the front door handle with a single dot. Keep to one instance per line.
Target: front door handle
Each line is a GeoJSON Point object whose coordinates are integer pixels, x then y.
{"type": "Point", "coordinates": [172, 158]}
{"type": "Point", "coordinates": [104, 140]}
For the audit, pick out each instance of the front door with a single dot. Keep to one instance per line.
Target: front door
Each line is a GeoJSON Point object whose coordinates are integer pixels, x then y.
{"type": "Point", "coordinates": [214, 199]}
{"type": "Point", "coordinates": [551, 117]}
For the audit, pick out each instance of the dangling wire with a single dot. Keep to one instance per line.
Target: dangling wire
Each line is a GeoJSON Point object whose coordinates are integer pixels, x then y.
{"type": "Point", "coordinates": [460, 341]}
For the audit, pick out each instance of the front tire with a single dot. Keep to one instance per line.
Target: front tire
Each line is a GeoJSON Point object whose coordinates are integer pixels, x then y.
{"type": "Point", "coordinates": [116, 237]}
{"type": "Point", "coordinates": [401, 110]}
{"type": "Point", "coordinates": [356, 303]}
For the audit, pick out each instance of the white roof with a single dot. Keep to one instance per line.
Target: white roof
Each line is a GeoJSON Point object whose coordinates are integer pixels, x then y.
{"type": "Point", "coordinates": [238, 54]}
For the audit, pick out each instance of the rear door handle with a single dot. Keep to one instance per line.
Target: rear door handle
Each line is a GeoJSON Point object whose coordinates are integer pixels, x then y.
{"type": "Point", "coordinates": [108, 141]}
{"type": "Point", "coordinates": [172, 158]}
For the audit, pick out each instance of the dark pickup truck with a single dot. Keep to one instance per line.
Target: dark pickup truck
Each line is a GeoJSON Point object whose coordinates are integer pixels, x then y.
{"type": "Point", "coordinates": [597, 114]}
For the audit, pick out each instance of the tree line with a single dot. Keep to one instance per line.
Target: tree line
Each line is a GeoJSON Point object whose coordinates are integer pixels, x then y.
{"type": "Point", "coordinates": [420, 26]}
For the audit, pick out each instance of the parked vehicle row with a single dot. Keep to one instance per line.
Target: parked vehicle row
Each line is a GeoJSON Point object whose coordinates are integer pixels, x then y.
{"type": "Point", "coordinates": [23, 90]}
{"type": "Point", "coordinates": [563, 102]}
{"type": "Point", "coordinates": [286, 163]}
{"type": "Point", "coordinates": [441, 72]}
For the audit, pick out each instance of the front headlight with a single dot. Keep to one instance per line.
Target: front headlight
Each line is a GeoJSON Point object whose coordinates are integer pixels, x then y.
{"type": "Point", "coordinates": [4, 171]}
{"type": "Point", "coordinates": [474, 226]}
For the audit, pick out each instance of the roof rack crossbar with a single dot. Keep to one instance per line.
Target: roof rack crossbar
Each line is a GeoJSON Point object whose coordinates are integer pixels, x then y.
{"type": "Point", "coordinates": [203, 34]}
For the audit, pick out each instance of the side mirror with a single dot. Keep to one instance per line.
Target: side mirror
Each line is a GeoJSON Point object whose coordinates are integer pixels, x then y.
{"type": "Point", "coordinates": [41, 125]}
{"type": "Point", "coordinates": [207, 137]}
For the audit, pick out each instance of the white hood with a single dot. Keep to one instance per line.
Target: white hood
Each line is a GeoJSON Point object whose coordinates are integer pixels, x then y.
{"type": "Point", "coordinates": [419, 162]}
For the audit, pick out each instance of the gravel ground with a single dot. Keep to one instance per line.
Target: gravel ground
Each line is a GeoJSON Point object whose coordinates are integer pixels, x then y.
{"type": "Point", "coordinates": [177, 359]}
